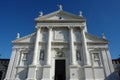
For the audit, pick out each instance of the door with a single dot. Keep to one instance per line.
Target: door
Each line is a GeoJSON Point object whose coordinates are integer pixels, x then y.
{"type": "Point", "coordinates": [1, 75]}
{"type": "Point", "coordinates": [60, 70]}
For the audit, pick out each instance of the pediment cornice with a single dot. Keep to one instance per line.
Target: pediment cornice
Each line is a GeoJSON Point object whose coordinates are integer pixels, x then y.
{"type": "Point", "coordinates": [59, 13]}
{"type": "Point", "coordinates": [22, 38]}
{"type": "Point", "coordinates": [98, 39]}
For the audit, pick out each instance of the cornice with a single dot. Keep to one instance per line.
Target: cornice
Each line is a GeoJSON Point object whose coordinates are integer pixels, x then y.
{"type": "Point", "coordinates": [62, 43]}
{"type": "Point", "coordinates": [62, 21]}
{"type": "Point", "coordinates": [97, 43]}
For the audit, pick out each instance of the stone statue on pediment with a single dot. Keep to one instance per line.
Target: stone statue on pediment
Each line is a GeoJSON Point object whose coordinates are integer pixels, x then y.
{"type": "Point", "coordinates": [60, 7]}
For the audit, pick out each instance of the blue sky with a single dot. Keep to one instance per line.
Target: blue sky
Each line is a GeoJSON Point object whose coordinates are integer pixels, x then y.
{"type": "Point", "coordinates": [18, 16]}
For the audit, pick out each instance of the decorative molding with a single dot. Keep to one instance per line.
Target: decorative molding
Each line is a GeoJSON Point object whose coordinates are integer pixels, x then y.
{"type": "Point", "coordinates": [60, 43]}
{"type": "Point", "coordinates": [74, 66]}
{"type": "Point", "coordinates": [97, 48]}
{"type": "Point", "coordinates": [60, 53]}
{"type": "Point", "coordinates": [21, 66]}
{"type": "Point", "coordinates": [59, 58]}
{"type": "Point", "coordinates": [78, 43]}
{"type": "Point", "coordinates": [94, 43]}
{"type": "Point", "coordinates": [25, 50]}
{"type": "Point", "coordinates": [42, 43]}
{"type": "Point", "coordinates": [46, 66]}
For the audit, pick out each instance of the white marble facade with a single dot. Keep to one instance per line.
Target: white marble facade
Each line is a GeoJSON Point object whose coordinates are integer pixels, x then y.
{"type": "Point", "coordinates": [60, 40]}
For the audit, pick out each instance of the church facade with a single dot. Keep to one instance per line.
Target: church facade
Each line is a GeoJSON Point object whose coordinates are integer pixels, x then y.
{"type": "Point", "coordinates": [60, 49]}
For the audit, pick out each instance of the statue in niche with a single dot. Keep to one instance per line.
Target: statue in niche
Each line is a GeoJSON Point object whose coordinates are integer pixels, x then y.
{"type": "Point", "coordinates": [25, 56]}
{"type": "Point", "coordinates": [42, 55]}
{"type": "Point", "coordinates": [96, 56]}
{"type": "Point", "coordinates": [78, 55]}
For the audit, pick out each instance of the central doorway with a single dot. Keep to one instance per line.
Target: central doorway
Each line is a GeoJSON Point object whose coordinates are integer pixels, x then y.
{"type": "Point", "coordinates": [60, 70]}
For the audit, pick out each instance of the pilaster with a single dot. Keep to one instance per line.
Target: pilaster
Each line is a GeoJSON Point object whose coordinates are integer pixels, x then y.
{"type": "Point", "coordinates": [11, 63]}
{"type": "Point", "coordinates": [16, 63]}
{"type": "Point", "coordinates": [87, 60]}
{"type": "Point", "coordinates": [36, 47]}
{"type": "Point", "coordinates": [72, 49]}
{"type": "Point", "coordinates": [33, 67]}
{"type": "Point", "coordinates": [109, 60]}
{"type": "Point", "coordinates": [49, 45]}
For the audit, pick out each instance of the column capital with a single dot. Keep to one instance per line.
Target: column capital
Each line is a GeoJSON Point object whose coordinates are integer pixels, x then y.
{"type": "Point", "coordinates": [50, 27]}
{"type": "Point", "coordinates": [82, 27]}
{"type": "Point", "coordinates": [37, 30]}
{"type": "Point", "coordinates": [70, 27]}
{"type": "Point", "coordinates": [14, 49]}
{"type": "Point", "coordinates": [38, 27]}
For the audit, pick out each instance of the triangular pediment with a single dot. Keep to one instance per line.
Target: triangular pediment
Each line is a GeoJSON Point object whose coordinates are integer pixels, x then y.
{"type": "Point", "coordinates": [26, 39]}
{"type": "Point", "coordinates": [95, 39]}
{"type": "Point", "coordinates": [59, 15]}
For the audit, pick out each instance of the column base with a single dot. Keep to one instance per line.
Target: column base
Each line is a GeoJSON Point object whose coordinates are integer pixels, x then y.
{"type": "Point", "coordinates": [32, 72]}
{"type": "Point", "coordinates": [8, 79]}
{"type": "Point", "coordinates": [94, 79]}
{"type": "Point", "coordinates": [45, 79]}
{"type": "Point", "coordinates": [17, 78]}
{"type": "Point", "coordinates": [31, 79]}
{"type": "Point", "coordinates": [12, 79]}
{"type": "Point", "coordinates": [88, 66]}
{"type": "Point", "coordinates": [74, 79]}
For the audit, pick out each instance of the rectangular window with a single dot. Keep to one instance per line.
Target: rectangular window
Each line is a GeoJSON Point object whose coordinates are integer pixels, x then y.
{"type": "Point", "coordinates": [96, 59]}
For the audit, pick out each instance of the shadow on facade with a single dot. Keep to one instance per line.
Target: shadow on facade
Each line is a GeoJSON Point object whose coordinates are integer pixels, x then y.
{"type": "Point", "coordinates": [113, 76]}
{"type": "Point", "coordinates": [22, 75]}
{"type": "Point", "coordinates": [1, 73]}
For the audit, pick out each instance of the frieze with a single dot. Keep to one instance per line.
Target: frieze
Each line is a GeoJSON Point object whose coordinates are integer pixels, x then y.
{"type": "Point", "coordinates": [61, 24]}
{"type": "Point", "coordinates": [59, 43]}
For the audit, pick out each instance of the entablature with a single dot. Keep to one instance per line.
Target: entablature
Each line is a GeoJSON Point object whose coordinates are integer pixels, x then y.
{"type": "Point", "coordinates": [98, 47]}
{"type": "Point", "coordinates": [23, 43]}
{"type": "Point", "coordinates": [39, 25]}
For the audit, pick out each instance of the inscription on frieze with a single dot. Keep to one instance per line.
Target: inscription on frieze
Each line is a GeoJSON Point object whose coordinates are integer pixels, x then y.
{"type": "Point", "coordinates": [60, 34]}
